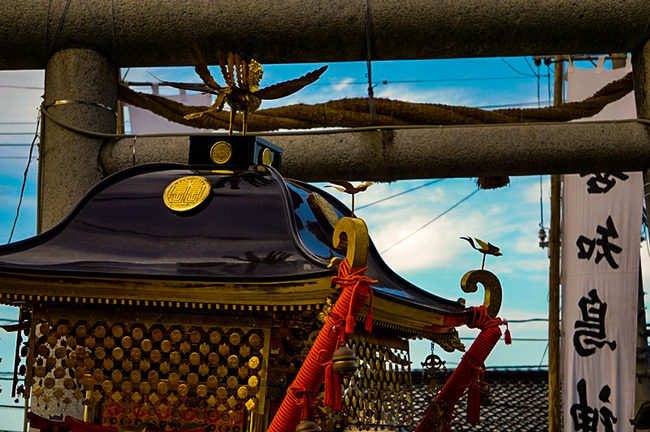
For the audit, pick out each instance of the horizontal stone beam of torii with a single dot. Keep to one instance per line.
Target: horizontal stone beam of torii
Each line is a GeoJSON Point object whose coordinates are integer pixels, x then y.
{"type": "Point", "coordinates": [159, 32]}
{"type": "Point", "coordinates": [429, 152]}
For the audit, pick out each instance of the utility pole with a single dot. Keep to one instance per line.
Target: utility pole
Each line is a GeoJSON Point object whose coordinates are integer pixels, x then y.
{"type": "Point", "coordinates": [554, 398]}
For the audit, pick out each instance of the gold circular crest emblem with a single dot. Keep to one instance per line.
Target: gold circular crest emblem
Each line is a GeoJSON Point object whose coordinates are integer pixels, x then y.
{"type": "Point", "coordinates": [220, 152]}
{"type": "Point", "coordinates": [187, 193]}
{"type": "Point", "coordinates": [267, 157]}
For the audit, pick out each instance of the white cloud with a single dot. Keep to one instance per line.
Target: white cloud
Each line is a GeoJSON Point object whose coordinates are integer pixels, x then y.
{"type": "Point", "coordinates": [343, 85]}
{"type": "Point", "coordinates": [433, 247]}
{"type": "Point", "coordinates": [532, 191]}
{"type": "Point", "coordinates": [20, 100]}
{"type": "Point", "coordinates": [447, 96]}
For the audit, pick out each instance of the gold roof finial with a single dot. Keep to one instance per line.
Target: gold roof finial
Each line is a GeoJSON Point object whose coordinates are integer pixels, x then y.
{"type": "Point", "coordinates": [241, 92]}
{"type": "Point", "coordinates": [484, 247]}
{"type": "Point", "coordinates": [349, 188]}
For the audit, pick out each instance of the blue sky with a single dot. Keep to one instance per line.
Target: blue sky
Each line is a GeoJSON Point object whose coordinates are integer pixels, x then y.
{"type": "Point", "coordinates": [434, 258]}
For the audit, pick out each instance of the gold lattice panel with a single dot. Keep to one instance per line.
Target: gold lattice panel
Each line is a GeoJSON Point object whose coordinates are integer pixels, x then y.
{"type": "Point", "coordinates": [379, 394]}
{"type": "Point", "coordinates": [155, 368]}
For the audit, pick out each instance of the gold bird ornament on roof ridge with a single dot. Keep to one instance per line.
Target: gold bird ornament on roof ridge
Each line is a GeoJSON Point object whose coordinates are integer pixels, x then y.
{"type": "Point", "coordinates": [242, 91]}
{"type": "Point", "coordinates": [485, 248]}
{"type": "Point", "coordinates": [349, 188]}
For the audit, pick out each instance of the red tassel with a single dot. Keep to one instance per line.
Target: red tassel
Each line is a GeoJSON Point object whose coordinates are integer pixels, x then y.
{"type": "Point", "coordinates": [473, 404]}
{"type": "Point", "coordinates": [369, 322]}
{"type": "Point", "coordinates": [337, 393]}
{"type": "Point", "coordinates": [507, 335]}
{"type": "Point", "coordinates": [333, 391]}
{"type": "Point", "coordinates": [349, 324]}
{"type": "Point", "coordinates": [329, 385]}
{"type": "Point", "coordinates": [371, 294]}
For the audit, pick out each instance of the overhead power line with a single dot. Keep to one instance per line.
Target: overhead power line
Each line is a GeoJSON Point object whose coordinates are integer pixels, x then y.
{"type": "Point", "coordinates": [16, 133]}
{"type": "Point", "coordinates": [431, 221]}
{"type": "Point", "coordinates": [421, 81]}
{"type": "Point", "coordinates": [514, 339]}
{"type": "Point", "coordinates": [517, 70]}
{"type": "Point", "coordinates": [401, 193]}
{"type": "Point", "coordinates": [22, 188]}
{"type": "Point", "coordinates": [14, 145]}
{"type": "Point", "coordinates": [21, 87]}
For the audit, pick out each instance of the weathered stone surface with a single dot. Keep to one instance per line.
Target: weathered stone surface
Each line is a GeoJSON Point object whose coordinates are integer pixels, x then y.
{"type": "Point", "coordinates": [159, 32]}
{"type": "Point", "coordinates": [68, 165]}
{"type": "Point", "coordinates": [465, 151]}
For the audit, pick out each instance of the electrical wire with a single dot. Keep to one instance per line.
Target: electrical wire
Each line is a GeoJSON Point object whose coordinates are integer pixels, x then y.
{"type": "Point", "coordinates": [401, 193]}
{"type": "Point", "coordinates": [16, 133]}
{"type": "Point", "coordinates": [431, 221]}
{"type": "Point", "coordinates": [21, 87]}
{"type": "Point", "coordinates": [513, 105]}
{"type": "Point", "coordinates": [469, 338]}
{"type": "Point", "coordinates": [22, 188]}
{"type": "Point", "coordinates": [541, 204]}
{"type": "Point", "coordinates": [548, 84]}
{"type": "Point", "coordinates": [371, 91]}
{"type": "Point", "coordinates": [57, 33]}
{"type": "Point", "coordinates": [14, 145]}
{"type": "Point", "coordinates": [531, 67]}
{"type": "Point", "coordinates": [528, 320]}
{"type": "Point", "coordinates": [543, 355]}
{"type": "Point", "coordinates": [515, 69]}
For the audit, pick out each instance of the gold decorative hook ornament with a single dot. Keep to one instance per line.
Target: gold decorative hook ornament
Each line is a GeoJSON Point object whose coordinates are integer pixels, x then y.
{"type": "Point", "coordinates": [352, 233]}
{"type": "Point", "coordinates": [492, 301]}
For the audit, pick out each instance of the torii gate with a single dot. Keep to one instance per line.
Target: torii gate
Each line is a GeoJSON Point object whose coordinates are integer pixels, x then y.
{"type": "Point", "coordinates": [82, 44]}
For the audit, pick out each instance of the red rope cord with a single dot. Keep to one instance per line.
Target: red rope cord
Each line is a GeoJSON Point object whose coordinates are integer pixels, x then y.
{"type": "Point", "coordinates": [467, 372]}
{"type": "Point", "coordinates": [356, 288]}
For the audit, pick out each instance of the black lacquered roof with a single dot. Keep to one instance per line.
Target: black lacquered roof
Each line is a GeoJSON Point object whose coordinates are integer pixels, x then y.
{"type": "Point", "coordinates": [254, 227]}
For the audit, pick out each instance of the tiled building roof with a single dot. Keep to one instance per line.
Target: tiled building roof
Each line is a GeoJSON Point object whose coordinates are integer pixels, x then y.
{"type": "Point", "coordinates": [519, 401]}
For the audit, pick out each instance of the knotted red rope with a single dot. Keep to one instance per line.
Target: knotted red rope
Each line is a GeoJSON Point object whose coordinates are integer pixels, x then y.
{"type": "Point", "coordinates": [467, 374]}
{"type": "Point", "coordinates": [338, 324]}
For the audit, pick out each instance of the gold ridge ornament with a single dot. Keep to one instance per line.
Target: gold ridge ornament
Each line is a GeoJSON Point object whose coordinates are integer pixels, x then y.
{"type": "Point", "coordinates": [187, 193]}
{"type": "Point", "coordinates": [221, 152]}
{"type": "Point", "coordinates": [242, 90]}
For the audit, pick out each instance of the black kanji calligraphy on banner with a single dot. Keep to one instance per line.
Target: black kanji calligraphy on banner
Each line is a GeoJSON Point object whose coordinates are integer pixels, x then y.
{"type": "Point", "coordinates": [601, 183]}
{"type": "Point", "coordinates": [606, 415]}
{"type": "Point", "coordinates": [605, 249]}
{"type": "Point", "coordinates": [585, 417]}
{"type": "Point", "coordinates": [590, 333]}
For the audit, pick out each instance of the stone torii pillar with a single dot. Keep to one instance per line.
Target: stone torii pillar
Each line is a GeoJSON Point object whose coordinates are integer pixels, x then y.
{"type": "Point", "coordinates": [80, 91]}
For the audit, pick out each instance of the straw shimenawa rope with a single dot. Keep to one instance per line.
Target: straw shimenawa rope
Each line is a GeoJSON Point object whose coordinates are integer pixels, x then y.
{"type": "Point", "coordinates": [344, 113]}
{"type": "Point", "coordinates": [354, 112]}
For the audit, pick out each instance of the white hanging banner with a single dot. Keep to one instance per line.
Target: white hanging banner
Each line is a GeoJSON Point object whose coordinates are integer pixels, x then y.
{"type": "Point", "coordinates": [600, 276]}
{"type": "Point", "coordinates": [601, 230]}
